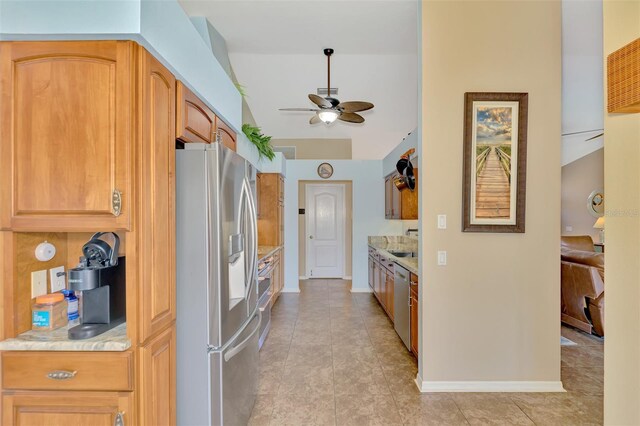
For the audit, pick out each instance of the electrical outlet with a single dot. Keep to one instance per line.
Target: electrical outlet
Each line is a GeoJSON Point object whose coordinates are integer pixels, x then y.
{"type": "Point", "coordinates": [38, 283]}
{"type": "Point", "coordinates": [57, 279]}
{"type": "Point", "coordinates": [569, 228]}
{"type": "Point", "coordinates": [442, 258]}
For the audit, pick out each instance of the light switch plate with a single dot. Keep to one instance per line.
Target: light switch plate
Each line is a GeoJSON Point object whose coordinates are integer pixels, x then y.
{"type": "Point", "coordinates": [38, 283]}
{"type": "Point", "coordinates": [569, 228]}
{"type": "Point", "coordinates": [442, 221]}
{"type": "Point", "coordinates": [57, 282]}
{"type": "Point", "coordinates": [442, 258]}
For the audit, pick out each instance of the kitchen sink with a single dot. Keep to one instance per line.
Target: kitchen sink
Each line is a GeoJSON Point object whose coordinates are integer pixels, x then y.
{"type": "Point", "coordinates": [403, 253]}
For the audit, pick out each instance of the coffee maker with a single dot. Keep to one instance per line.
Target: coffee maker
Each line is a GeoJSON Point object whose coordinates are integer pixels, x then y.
{"type": "Point", "coordinates": [99, 280]}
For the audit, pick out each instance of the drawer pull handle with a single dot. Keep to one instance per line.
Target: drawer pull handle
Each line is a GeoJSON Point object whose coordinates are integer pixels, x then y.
{"type": "Point", "coordinates": [62, 375]}
{"type": "Point", "coordinates": [119, 420]}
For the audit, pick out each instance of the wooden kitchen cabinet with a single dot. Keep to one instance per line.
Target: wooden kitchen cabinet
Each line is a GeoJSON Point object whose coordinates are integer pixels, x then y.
{"type": "Point", "coordinates": [137, 156]}
{"type": "Point", "coordinates": [156, 164]}
{"type": "Point", "coordinates": [414, 320]}
{"type": "Point", "coordinates": [67, 408]}
{"type": "Point", "coordinates": [271, 199]}
{"type": "Point", "coordinates": [400, 204]}
{"type": "Point", "coordinates": [195, 121]}
{"type": "Point", "coordinates": [66, 125]}
{"type": "Point", "coordinates": [158, 385]}
{"type": "Point", "coordinates": [226, 135]}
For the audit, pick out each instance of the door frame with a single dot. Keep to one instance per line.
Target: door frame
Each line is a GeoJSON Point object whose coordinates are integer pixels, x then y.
{"type": "Point", "coordinates": [343, 212]}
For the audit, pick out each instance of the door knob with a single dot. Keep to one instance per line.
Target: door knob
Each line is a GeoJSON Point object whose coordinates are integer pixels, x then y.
{"type": "Point", "coordinates": [311, 237]}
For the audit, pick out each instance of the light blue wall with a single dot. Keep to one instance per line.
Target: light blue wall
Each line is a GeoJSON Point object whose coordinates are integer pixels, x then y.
{"type": "Point", "coordinates": [161, 26]}
{"type": "Point", "coordinates": [367, 212]}
{"type": "Point", "coordinates": [389, 162]}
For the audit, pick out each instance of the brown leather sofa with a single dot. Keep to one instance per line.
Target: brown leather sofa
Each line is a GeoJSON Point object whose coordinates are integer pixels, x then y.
{"type": "Point", "coordinates": [582, 274]}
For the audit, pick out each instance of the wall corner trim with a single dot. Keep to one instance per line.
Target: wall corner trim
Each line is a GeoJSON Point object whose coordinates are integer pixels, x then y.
{"type": "Point", "coordinates": [488, 386]}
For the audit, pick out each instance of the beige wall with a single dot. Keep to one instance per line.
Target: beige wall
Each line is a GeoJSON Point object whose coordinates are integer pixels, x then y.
{"type": "Point", "coordinates": [491, 314]}
{"type": "Point", "coordinates": [348, 230]}
{"type": "Point", "coordinates": [579, 179]}
{"type": "Point", "coordinates": [622, 272]}
{"type": "Point", "coordinates": [314, 149]}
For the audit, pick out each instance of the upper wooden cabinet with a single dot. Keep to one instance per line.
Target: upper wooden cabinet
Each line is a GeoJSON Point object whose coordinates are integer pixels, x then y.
{"type": "Point", "coordinates": [66, 129]}
{"type": "Point", "coordinates": [195, 122]}
{"type": "Point", "coordinates": [400, 204]}
{"type": "Point", "coordinates": [226, 135]}
{"type": "Point", "coordinates": [270, 196]}
{"type": "Point", "coordinates": [156, 162]}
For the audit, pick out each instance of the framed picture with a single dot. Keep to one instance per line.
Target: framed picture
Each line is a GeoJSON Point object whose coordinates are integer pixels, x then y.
{"type": "Point", "coordinates": [495, 162]}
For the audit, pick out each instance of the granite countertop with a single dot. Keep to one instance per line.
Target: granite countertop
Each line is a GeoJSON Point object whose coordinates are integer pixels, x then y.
{"type": "Point", "coordinates": [56, 340]}
{"type": "Point", "coordinates": [397, 243]}
{"type": "Point", "coordinates": [264, 251]}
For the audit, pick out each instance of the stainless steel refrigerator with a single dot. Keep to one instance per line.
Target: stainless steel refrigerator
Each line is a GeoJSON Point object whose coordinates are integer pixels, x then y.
{"type": "Point", "coordinates": [218, 319]}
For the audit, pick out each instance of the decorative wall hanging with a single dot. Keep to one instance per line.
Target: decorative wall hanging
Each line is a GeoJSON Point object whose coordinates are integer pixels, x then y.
{"type": "Point", "coordinates": [325, 170]}
{"type": "Point", "coordinates": [495, 162]}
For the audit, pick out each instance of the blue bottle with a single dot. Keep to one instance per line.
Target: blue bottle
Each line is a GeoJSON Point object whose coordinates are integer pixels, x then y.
{"type": "Point", "coordinates": [72, 307]}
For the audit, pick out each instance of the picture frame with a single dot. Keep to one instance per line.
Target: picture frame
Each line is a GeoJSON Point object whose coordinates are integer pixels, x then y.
{"type": "Point", "coordinates": [494, 162]}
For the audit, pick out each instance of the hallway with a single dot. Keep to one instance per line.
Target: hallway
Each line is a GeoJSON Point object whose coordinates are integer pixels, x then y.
{"type": "Point", "coordinates": [333, 357]}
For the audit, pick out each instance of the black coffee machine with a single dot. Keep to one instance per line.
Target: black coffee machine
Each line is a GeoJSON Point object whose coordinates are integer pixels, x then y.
{"type": "Point", "coordinates": [100, 277]}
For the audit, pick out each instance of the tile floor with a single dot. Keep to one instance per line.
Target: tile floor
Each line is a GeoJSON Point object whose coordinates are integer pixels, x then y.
{"type": "Point", "coordinates": [333, 358]}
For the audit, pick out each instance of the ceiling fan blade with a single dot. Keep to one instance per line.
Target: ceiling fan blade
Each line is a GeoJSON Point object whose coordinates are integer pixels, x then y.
{"type": "Point", "coordinates": [299, 109]}
{"type": "Point", "coordinates": [355, 106]}
{"type": "Point", "coordinates": [594, 137]}
{"type": "Point", "coordinates": [320, 101]}
{"type": "Point", "coordinates": [351, 117]}
{"type": "Point", "coordinates": [314, 119]}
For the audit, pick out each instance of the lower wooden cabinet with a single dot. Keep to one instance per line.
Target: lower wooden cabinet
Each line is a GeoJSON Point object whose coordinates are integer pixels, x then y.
{"type": "Point", "coordinates": [68, 408]}
{"type": "Point", "coordinates": [389, 292]}
{"type": "Point", "coordinates": [414, 321]}
{"type": "Point", "coordinates": [158, 383]}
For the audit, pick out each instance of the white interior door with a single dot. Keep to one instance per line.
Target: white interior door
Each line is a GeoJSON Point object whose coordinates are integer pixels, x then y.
{"type": "Point", "coordinates": [325, 217]}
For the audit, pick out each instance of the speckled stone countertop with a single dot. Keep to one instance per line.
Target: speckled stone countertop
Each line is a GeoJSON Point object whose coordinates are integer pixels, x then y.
{"type": "Point", "coordinates": [397, 243]}
{"type": "Point", "coordinates": [113, 340]}
{"type": "Point", "coordinates": [264, 251]}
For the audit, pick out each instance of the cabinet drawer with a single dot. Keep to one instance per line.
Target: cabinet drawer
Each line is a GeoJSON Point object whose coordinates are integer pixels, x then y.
{"type": "Point", "coordinates": [88, 371]}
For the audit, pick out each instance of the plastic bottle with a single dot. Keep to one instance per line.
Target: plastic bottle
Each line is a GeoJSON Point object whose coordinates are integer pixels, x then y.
{"type": "Point", "coordinates": [72, 307]}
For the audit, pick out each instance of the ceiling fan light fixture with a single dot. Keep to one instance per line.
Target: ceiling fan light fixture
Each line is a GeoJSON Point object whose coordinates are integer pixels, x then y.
{"type": "Point", "coordinates": [328, 117]}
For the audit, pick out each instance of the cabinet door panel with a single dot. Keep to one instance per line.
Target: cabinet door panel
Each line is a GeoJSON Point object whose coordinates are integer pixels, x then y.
{"type": "Point", "coordinates": [414, 322]}
{"type": "Point", "coordinates": [158, 384]}
{"type": "Point", "coordinates": [195, 122]}
{"type": "Point", "coordinates": [66, 131]}
{"type": "Point", "coordinates": [226, 134]}
{"type": "Point", "coordinates": [66, 408]}
{"type": "Point", "coordinates": [157, 201]}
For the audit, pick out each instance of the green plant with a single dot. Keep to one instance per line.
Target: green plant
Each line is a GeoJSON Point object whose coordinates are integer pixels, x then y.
{"type": "Point", "coordinates": [261, 141]}
{"type": "Point", "coordinates": [241, 89]}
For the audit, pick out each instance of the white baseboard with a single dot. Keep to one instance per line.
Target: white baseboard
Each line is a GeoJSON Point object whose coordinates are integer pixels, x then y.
{"type": "Point", "coordinates": [290, 290]}
{"type": "Point", "coordinates": [302, 277]}
{"type": "Point", "coordinates": [361, 290]}
{"type": "Point", "coordinates": [348, 277]}
{"type": "Point", "coordinates": [488, 386]}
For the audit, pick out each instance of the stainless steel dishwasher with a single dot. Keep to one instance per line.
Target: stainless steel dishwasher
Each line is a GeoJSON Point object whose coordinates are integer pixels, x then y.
{"type": "Point", "coordinates": [401, 301]}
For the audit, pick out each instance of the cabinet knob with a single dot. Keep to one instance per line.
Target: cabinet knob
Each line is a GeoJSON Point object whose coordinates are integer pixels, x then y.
{"type": "Point", "coordinates": [61, 375]}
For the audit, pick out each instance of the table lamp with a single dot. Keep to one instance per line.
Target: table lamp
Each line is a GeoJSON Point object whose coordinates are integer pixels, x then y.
{"type": "Point", "coordinates": [600, 225]}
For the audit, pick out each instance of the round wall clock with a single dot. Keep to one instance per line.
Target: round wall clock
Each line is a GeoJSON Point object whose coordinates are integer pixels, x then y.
{"type": "Point", "coordinates": [325, 170]}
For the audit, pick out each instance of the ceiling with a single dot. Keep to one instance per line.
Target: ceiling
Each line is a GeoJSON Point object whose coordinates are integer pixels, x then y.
{"type": "Point", "coordinates": [275, 48]}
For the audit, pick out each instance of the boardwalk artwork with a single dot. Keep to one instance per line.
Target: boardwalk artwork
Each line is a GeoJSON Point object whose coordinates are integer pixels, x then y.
{"type": "Point", "coordinates": [493, 163]}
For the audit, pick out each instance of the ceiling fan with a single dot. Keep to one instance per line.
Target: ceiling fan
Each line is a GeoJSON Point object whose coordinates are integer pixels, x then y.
{"type": "Point", "coordinates": [331, 109]}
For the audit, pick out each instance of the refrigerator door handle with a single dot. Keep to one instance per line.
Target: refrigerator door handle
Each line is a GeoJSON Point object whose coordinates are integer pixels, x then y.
{"type": "Point", "coordinates": [253, 236]}
{"type": "Point", "coordinates": [239, 347]}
